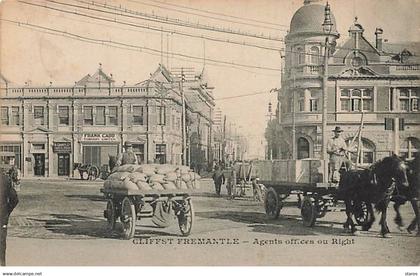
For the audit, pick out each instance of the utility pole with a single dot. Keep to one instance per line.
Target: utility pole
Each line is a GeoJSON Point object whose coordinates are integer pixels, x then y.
{"type": "Point", "coordinates": [327, 28]}
{"type": "Point", "coordinates": [184, 121]}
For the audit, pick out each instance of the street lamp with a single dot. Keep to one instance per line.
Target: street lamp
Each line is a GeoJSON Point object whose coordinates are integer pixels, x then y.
{"type": "Point", "coordinates": [327, 28]}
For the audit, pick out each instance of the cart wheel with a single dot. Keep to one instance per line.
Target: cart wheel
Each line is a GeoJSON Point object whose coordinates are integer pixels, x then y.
{"type": "Point", "coordinates": [93, 172]}
{"type": "Point", "coordinates": [308, 211]}
{"type": "Point", "coordinates": [128, 218]}
{"type": "Point", "coordinates": [84, 175]}
{"type": "Point", "coordinates": [186, 218]}
{"type": "Point", "coordinates": [110, 214]}
{"type": "Point", "coordinates": [361, 214]}
{"type": "Point", "coordinates": [273, 204]}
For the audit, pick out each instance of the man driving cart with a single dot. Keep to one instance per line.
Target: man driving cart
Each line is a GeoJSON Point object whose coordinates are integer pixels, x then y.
{"type": "Point", "coordinates": [337, 148]}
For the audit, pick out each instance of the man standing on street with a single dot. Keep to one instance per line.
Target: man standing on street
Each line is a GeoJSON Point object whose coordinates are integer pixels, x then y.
{"type": "Point", "coordinates": [219, 179]}
{"type": "Point", "coordinates": [8, 201]}
{"type": "Point", "coordinates": [336, 148]}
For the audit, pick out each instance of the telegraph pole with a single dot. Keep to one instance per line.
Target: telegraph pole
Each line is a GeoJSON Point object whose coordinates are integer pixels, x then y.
{"type": "Point", "coordinates": [184, 123]}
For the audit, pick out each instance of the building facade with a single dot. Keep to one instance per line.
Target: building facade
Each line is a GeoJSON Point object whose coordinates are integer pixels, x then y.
{"type": "Point", "coordinates": [51, 129]}
{"type": "Point", "coordinates": [378, 81]}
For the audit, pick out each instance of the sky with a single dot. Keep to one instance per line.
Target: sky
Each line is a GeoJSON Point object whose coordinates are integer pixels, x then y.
{"type": "Point", "coordinates": [40, 57]}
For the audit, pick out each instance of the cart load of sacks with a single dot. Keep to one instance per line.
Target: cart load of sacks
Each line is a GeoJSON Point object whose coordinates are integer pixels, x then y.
{"type": "Point", "coordinates": [157, 177]}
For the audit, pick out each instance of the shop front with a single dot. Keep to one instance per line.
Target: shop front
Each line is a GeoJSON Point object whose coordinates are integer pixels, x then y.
{"type": "Point", "coordinates": [97, 148]}
{"type": "Point", "coordinates": [63, 157]}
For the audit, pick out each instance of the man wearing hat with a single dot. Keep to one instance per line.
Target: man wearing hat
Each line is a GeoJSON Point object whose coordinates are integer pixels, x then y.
{"type": "Point", "coordinates": [336, 148]}
{"type": "Point", "coordinates": [127, 157]}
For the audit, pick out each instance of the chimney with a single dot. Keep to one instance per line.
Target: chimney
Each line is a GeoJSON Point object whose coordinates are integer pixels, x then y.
{"type": "Point", "coordinates": [378, 34]}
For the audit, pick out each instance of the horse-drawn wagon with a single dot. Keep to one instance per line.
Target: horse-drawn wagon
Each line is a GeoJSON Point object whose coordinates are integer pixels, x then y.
{"type": "Point", "coordinates": [157, 191]}
{"type": "Point", "coordinates": [303, 178]}
{"type": "Point", "coordinates": [132, 205]}
{"type": "Point", "coordinates": [241, 181]}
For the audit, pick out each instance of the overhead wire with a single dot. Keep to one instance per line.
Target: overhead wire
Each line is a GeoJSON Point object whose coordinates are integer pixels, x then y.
{"type": "Point", "coordinates": [152, 28]}
{"type": "Point", "coordinates": [212, 17]}
{"type": "Point", "coordinates": [132, 14]}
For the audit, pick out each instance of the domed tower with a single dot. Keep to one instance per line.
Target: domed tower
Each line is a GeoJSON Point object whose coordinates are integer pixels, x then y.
{"type": "Point", "coordinates": [301, 94]}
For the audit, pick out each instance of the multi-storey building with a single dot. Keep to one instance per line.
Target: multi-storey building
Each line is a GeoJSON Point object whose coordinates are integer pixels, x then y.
{"type": "Point", "coordinates": [379, 80]}
{"type": "Point", "coordinates": [52, 128]}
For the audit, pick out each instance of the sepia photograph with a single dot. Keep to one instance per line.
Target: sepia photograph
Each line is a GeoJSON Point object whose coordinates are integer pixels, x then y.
{"type": "Point", "coordinates": [209, 133]}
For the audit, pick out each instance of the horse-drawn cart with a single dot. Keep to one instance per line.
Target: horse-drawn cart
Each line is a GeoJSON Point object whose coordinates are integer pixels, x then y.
{"type": "Point", "coordinates": [242, 181]}
{"type": "Point", "coordinates": [303, 178]}
{"type": "Point", "coordinates": [132, 205]}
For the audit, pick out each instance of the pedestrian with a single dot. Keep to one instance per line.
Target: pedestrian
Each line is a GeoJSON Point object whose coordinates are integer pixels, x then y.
{"type": "Point", "coordinates": [127, 157]}
{"type": "Point", "coordinates": [8, 201]}
{"type": "Point", "coordinates": [219, 179]}
{"type": "Point", "coordinates": [14, 174]}
{"type": "Point", "coordinates": [337, 148]}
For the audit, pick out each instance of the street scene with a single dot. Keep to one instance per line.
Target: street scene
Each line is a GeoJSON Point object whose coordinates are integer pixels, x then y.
{"type": "Point", "coordinates": [190, 133]}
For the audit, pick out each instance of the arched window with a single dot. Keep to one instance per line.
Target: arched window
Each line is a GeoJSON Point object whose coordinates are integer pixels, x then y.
{"type": "Point", "coordinates": [367, 152]}
{"type": "Point", "coordinates": [314, 55]}
{"type": "Point", "coordinates": [302, 148]}
{"type": "Point", "coordinates": [300, 56]}
{"type": "Point", "coordinates": [410, 148]}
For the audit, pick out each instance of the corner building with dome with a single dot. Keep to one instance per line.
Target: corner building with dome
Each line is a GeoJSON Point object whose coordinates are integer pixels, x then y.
{"type": "Point", "coordinates": [377, 79]}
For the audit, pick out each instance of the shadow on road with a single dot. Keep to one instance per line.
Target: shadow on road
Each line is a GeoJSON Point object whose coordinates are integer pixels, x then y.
{"type": "Point", "coordinates": [99, 198]}
{"type": "Point", "coordinates": [284, 225]}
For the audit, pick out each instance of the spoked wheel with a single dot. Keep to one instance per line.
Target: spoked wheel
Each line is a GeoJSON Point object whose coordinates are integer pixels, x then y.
{"type": "Point", "coordinates": [361, 213]}
{"type": "Point", "coordinates": [308, 211]}
{"type": "Point", "coordinates": [272, 204]}
{"type": "Point", "coordinates": [186, 217]}
{"type": "Point", "coordinates": [110, 214]}
{"type": "Point", "coordinates": [128, 218]}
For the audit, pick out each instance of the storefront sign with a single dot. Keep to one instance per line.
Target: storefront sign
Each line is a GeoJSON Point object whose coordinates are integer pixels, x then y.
{"type": "Point", "coordinates": [62, 147]}
{"type": "Point", "coordinates": [99, 137]}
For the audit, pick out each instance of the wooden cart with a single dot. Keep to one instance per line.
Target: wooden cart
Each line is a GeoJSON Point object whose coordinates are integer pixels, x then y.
{"type": "Point", "coordinates": [315, 199]}
{"type": "Point", "coordinates": [241, 181]}
{"type": "Point", "coordinates": [129, 206]}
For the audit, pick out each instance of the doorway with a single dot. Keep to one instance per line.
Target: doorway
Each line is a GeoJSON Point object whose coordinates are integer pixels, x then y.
{"type": "Point", "coordinates": [63, 164]}
{"type": "Point", "coordinates": [39, 166]}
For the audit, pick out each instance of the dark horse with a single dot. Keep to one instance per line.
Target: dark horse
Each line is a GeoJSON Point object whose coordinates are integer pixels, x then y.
{"type": "Point", "coordinates": [402, 194]}
{"type": "Point", "coordinates": [374, 185]}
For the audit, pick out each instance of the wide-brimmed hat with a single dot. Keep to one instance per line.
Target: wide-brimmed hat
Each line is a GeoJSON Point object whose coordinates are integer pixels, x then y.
{"type": "Point", "coordinates": [337, 129]}
{"type": "Point", "coordinates": [128, 144]}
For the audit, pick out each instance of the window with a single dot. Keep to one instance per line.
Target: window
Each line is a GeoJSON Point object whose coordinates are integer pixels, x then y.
{"type": "Point", "coordinates": [15, 116]}
{"type": "Point", "coordinates": [63, 115]}
{"type": "Point", "coordinates": [138, 115]}
{"type": "Point", "coordinates": [300, 56]}
{"type": "Point", "coordinates": [302, 148]}
{"type": "Point", "coordinates": [356, 99]}
{"type": "Point", "coordinates": [113, 115]}
{"type": "Point", "coordinates": [88, 115]}
{"type": "Point", "coordinates": [409, 99]}
{"type": "Point", "coordinates": [39, 115]}
{"type": "Point", "coordinates": [4, 115]}
{"type": "Point", "coordinates": [160, 153]}
{"type": "Point", "coordinates": [410, 148]}
{"type": "Point", "coordinates": [4, 159]}
{"type": "Point", "coordinates": [100, 115]}
{"type": "Point", "coordinates": [314, 55]}
{"type": "Point", "coordinates": [161, 115]}
{"type": "Point", "coordinates": [138, 150]}
{"type": "Point", "coordinates": [313, 105]}
{"type": "Point", "coordinates": [367, 152]}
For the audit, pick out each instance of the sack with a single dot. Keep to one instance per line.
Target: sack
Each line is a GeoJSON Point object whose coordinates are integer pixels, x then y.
{"type": "Point", "coordinates": [136, 176]}
{"type": "Point", "coordinates": [143, 186]}
{"type": "Point", "coordinates": [172, 176]}
{"type": "Point", "coordinates": [116, 184]}
{"type": "Point", "coordinates": [169, 185]}
{"type": "Point", "coordinates": [127, 184]}
{"type": "Point", "coordinates": [127, 168]}
{"type": "Point", "coordinates": [118, 176]}
{"type": "Point", "coordinates": [146, 168]}
{"type": "Point", "coordinates": [165, 168]}
{"type": "Point", "coordinates": [190, 184]}
{"type": "Point", "coordinates": [157, 186]}
{"type": "Point", "coordinates": [195, 175]}
{"type": "Point", "coordinates": [182, 185]}
{"type": "Point", "coordinates": [157, 178]}
{"type": "Point", "coordinates": [184, 169]}
{"type": "Point", "coordinates": [107, 184]}
{"type": "Point", "coordinates": [196, 184]}
{"type": "Point", "coordinates": [186, 177]}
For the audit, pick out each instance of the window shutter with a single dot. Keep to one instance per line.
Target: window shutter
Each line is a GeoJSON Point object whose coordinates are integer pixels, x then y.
{"type": "Point", "coordinates": [389, 124]}
{"type": "Point", "coordinates": [401, 124]}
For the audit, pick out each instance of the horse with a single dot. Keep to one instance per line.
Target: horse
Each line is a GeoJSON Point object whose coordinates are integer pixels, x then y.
{"type": "Point", "coordinates": [374, 185]}
{"type": "Point", "coordinates": [411, 193]}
